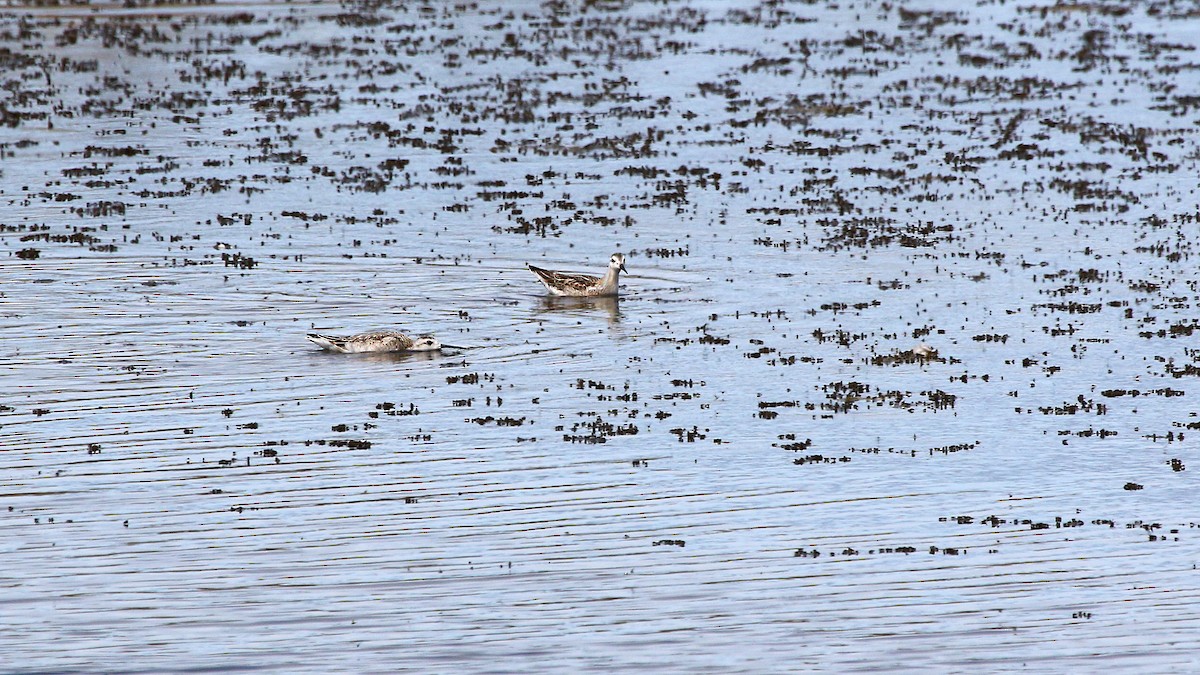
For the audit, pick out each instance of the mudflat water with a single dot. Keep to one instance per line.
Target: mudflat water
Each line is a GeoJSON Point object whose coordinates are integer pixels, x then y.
{"type": "Point", "coordinates": [740, 465]}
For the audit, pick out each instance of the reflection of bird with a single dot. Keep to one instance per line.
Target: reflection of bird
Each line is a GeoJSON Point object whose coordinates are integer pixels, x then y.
{"type": "Point", "coordinates": [379, 341]}
{"type": "Point", "coordinates": [582, 306]}
{"type": "Point", "coordinates": [582, 285]}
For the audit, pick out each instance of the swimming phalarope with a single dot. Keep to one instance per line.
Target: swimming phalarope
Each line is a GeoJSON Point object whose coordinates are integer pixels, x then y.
{"type": "Point", "coordinates": [378, 341]}
{"type": "Point", "coordinates": [582, 285]}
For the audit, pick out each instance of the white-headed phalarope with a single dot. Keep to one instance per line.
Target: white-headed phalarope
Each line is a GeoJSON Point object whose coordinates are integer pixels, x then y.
{"type": "Point", "coordinates": [378, 341]}
{"type": "Point", "coordinates": [582, 285]}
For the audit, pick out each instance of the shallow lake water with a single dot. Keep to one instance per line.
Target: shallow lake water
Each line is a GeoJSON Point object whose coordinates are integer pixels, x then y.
{"type": "Point", "coordinates": [738, 465]}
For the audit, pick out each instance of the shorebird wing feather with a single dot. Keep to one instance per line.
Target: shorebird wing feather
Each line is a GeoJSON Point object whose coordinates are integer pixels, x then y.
{"type": "Point", "coordinates": [378, 341]}
{"type": "Point", "coordinates": [565, 280]}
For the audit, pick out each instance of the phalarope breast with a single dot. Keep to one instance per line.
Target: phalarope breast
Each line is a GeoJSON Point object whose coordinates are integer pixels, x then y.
{"type": "Point", "coordinates": [582, 285]}
{"type": "Point", "coordinates": [377, 341]}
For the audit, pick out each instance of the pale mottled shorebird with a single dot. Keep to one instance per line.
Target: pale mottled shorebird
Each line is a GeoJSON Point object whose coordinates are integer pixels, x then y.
{"type": "Point", "coordinates": [924, 351]}
{"type": "Point", "coordinates": [582, 285]}
{"type": "Point", "coordinates": [378, 341]}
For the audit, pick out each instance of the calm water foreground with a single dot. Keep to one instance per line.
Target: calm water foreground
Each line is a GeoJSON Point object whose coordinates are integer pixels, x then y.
{"type": "Point", "coordinates": [738, 466]}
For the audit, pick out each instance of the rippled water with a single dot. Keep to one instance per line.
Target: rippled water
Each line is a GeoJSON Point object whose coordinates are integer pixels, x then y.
{"type": "Point", "coordinates": [738, 466]}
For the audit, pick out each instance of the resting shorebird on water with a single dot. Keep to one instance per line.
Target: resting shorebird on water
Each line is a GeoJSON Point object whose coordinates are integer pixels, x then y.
{"type": "Point", "coordinates": [378, 341]}
{"type": "Point", "coordinates": [582, 285]}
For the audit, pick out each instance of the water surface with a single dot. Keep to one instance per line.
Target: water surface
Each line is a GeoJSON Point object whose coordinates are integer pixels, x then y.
{"type": "Point", "coordinates": [738, 466]}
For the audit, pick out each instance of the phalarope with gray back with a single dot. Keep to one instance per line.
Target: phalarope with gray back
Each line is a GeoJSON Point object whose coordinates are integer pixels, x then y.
{"type": "Point", "coordinates": [582, 285]}
{"type": "Point", "coordinates": [378, 341]}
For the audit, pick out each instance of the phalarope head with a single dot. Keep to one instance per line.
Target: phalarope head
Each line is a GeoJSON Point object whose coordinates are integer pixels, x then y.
{"type": "Point", "coordinates": [617, 261]}
{"type": "Point", "coordinates": [425, 343]}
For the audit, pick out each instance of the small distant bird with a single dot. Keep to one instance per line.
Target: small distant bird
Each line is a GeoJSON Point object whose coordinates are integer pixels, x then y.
{"type": "Point", "coordinates": [378, 341]}
{"type": "Point", "coordinates": [924, 351]}
{"type": "Point", "coordinates": [582, 285]}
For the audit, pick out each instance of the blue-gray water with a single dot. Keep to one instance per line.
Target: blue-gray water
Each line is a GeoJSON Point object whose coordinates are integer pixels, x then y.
{"type": "Point", "coordinates": [735, 467]}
